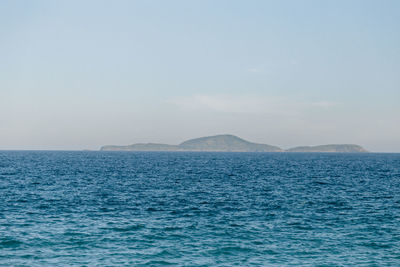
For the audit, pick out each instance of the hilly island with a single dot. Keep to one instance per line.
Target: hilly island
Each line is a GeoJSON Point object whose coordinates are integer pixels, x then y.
{"type": "Point", "coordinates": [231, 143]}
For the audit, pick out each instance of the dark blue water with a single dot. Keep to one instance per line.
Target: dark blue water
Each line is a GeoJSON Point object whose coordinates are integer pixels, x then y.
{"type": "Point", "coordinates": [199, 209]}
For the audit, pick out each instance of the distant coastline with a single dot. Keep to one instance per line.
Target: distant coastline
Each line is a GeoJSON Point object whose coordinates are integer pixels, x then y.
{"type": "Point", "coordinates": [231, 143]}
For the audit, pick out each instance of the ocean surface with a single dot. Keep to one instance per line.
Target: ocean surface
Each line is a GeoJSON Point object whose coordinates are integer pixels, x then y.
{"type": "Point", "coordinates": [199, 209]}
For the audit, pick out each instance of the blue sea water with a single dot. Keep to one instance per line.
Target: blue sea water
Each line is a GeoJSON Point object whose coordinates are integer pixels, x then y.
{"type": "Point", "coordinates": [199, 209]}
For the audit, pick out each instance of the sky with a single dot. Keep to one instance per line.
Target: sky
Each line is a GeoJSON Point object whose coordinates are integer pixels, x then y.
{"type": "Point", "coordinates": [82, 74]}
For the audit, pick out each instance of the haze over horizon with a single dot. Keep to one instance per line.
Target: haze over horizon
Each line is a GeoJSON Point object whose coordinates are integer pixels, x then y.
{"type": "Point", "coordinates": [83, 74]}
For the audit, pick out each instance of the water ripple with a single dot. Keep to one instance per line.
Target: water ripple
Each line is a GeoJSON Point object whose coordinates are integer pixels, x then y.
{"type": "Point", "coordinates": [199, 209]}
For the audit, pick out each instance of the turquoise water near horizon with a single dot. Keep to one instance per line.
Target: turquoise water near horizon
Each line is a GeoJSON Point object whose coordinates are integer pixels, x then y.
{"type": "Point", "coordinates": [60, 208]}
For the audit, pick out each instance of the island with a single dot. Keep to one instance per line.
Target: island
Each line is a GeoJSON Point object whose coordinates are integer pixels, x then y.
{"type": "Point", "coordinates": [217, 143]}
{"type": "Point", "coordinates": [345, 148]}
{"type": "Point", "coordinates": [231, 143]}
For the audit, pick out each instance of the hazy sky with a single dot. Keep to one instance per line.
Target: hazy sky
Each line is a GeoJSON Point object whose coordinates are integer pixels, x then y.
{"type": "Point", "coordinates": [81, 74]}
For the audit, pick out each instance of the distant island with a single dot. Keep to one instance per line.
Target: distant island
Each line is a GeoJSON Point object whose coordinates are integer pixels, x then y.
{"type": "Point", "coordinates": [345, 148]}
{"type": "Point", "coordinates": [231, 143]}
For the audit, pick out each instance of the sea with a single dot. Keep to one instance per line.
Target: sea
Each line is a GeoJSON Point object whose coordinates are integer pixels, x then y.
{"type": "Point", "coordinates": [92, 208]}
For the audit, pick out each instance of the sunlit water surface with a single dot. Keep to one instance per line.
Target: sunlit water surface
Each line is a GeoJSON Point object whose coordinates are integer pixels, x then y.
{"type": "Point", "coordinates": [198, 209]}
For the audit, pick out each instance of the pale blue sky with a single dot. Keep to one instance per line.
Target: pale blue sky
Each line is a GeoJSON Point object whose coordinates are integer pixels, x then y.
{"type": "Point", "coordinates": [80, 74]}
